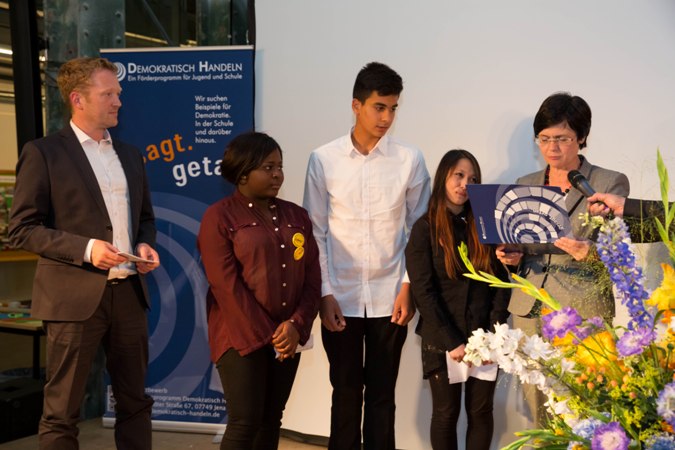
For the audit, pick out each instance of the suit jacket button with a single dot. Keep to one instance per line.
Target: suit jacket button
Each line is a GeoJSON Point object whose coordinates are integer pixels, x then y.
{"type": "Point", "coordinates": [109, 228]}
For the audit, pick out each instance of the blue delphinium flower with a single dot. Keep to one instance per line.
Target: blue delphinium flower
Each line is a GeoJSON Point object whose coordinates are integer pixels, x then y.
{"type": "Point", "coordinates": [665, 404]}
{"type": "Point", "coordinates": [633, 342]}
{"type": "Point", "coordinates": [558, 323]}
{"type": "Point", "coordinates": [614, 249]}
{"type": "Point", "coordinates": [661, 442]}
{"type": "Point", "coordinates": [610, 436]}
{"type": "Point", "coordinates": [585, 429]}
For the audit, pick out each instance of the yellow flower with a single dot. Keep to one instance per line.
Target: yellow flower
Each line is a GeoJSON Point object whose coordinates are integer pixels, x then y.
{"type": "Point", "coordinates": [545, 297]}
{"type": "Point", "coordinates": [664, 296]}
{"type": "Point", "coordinates": [597, 350]}
{"type": "Point", "coordinates": [666, 357]}
{"type": "Point", "coordinates": [564, 341]}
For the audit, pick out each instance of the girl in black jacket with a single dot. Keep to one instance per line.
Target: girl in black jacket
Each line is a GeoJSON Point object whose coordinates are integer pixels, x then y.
{"type": "Point", "coordinates": [452, 306]}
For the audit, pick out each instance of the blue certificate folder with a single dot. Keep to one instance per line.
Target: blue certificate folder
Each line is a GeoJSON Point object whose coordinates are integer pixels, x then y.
{"type": "Point", "coordinates": [517, 214]}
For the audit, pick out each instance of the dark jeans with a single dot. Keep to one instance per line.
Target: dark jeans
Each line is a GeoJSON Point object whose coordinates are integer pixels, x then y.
{"type": "Point", "coordinates": [350, 372]}
{"type": "Point", "coordinates": [447, 405]}
{"type": "Point", "coordinates": [256, 388]}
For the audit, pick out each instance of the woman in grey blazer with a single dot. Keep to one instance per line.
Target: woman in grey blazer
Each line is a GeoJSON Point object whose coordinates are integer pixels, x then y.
{"type": "Point", "coordinates": [569, 269]}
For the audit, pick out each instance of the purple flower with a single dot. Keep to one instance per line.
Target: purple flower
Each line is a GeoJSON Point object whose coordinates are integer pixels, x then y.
{"type": "Point", "coordinates": [610, 436]}
{"type": "Point", "coordinates": [633, 342]}
{"type": "Point", "coordinates": [596, 321]}
{"type": "Point", "coordinates": [665, 404]}
{"type": "Point", "coordinates": [559, 323]}
{"type": "Point", "coordinates": [589, 327]}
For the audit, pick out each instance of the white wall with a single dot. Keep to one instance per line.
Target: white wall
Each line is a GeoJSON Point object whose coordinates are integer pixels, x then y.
{"type": "Point", "coordinates": [475, 73]}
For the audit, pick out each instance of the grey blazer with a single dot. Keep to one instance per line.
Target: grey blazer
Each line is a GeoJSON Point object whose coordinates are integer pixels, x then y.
{"type": "Point", "coordinates": [57, 208]}
{"type": "Point", "coordinates": [572, 283]}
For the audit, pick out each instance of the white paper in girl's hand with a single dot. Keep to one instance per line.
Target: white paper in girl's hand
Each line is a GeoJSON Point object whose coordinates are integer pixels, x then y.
{"type": "Point", "coordinates": [459, 372]}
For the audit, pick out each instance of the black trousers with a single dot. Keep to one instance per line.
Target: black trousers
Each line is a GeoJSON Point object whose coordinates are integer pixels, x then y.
{"type": "Point", "coordinates": [447, 405]}
{"type": "Point", "coordinates": [365, 355]}
{"type": "Point", "coordinates": [120, 324]}
{"type": "Point", "coordinates": [256, 388]}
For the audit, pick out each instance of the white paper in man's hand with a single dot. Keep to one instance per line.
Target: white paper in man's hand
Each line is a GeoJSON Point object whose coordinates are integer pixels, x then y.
{"type": "Point", "coordinates": [459, 372]}
{"type": "Point", "coordinates": [134, 258]}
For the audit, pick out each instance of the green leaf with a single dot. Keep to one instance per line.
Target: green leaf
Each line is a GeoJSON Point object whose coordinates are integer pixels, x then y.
{"type": "Point", "coordinates": [669, 213]}
{"type": "Point", "coordinates": [516, 444]}
{"type": "Point", "coordinates": [663, 177]}
{"type": "Point", "coordinates": [520, 283]}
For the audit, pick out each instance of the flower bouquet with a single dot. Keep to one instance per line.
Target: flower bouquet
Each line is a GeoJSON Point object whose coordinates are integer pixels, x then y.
{"type": "Point", "coordinates": [609, 387]}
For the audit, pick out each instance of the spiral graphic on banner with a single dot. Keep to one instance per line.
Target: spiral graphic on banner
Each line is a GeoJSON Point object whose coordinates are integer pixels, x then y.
{"type": "Point", "coordinates": [121, 71]}
{"type": "Point", "coordinates": [523, 221]}
{"type": "Point", "coordinates": [179, 349]}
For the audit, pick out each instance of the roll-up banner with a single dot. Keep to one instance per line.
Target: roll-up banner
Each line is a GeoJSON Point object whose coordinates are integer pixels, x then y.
{"type": "Point", "coordinates": [181, 107]}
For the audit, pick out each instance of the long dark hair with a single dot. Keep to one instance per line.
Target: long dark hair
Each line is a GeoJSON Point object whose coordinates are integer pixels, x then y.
{"type": "Point", "coordinates": [480, 255]}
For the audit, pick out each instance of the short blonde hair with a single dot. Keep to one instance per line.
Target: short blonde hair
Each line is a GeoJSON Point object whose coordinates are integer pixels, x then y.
{"type": "Point", "coordinates": [76, 75]}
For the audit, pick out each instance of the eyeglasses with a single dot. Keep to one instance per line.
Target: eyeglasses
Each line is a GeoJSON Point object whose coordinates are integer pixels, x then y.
{"type": "Point", "coordinates": [561, 140]}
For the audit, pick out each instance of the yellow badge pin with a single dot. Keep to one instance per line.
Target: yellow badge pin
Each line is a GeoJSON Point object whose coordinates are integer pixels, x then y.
{"type": "Point", "coordinates": [298, 240]}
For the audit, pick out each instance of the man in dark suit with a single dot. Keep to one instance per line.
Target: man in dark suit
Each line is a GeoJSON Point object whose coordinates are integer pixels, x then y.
{"type": "Point", "coordinates": [81, 199]}
{"type": "Point", "coordinates": [638, 214]}
{"type": "Point", "coordinates": [600, 204]}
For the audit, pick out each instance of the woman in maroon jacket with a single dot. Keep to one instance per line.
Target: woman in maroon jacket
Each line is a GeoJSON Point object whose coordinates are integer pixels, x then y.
{"type": "Point", "coordinates": [262, 265]}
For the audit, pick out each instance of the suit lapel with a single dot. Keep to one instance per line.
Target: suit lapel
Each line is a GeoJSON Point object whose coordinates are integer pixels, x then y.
{"type": "Point", "coordinates": [574, 196]}
{"type": "Point", "coordinates": [572, 200]}
{"type": "Point", "coordinates": [76, 154]}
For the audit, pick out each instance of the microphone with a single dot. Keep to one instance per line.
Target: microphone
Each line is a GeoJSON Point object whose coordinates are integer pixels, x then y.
{"type": "Point", "coordinates": [580, 183]}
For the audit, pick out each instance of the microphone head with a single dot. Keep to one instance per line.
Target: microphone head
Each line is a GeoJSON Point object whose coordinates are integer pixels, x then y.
{"type": "Point", "coordinates": [580, 183]}
{"type": "Point", "coordinates": [575, 177]}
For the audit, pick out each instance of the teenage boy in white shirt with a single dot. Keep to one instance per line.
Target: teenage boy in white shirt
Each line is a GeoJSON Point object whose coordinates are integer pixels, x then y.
{"type": "Point", "coordinates": [363, 192]}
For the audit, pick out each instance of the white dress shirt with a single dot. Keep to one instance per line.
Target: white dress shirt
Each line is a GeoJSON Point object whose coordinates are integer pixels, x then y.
{"type": "Point", "coordinates": [362, 208]}
{"type": "Point", "coordinates": [113, 184]}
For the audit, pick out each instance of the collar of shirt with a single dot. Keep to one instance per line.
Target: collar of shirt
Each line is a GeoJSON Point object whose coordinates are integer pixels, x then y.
{"type": "Point", "coordinates": [381, 147]}
{"type": "Point", "coordinates": [84, 137]}
{"type": "Point", "coordinates": [242, 199]}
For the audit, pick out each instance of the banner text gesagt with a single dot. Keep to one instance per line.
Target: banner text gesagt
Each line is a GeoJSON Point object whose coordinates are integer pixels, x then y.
{"type": "Point", "coordinates": [181, 107]}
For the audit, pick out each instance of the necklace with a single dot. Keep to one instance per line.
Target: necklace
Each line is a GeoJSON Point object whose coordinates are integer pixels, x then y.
{"type": "Point", "coordinates": [547, 182]}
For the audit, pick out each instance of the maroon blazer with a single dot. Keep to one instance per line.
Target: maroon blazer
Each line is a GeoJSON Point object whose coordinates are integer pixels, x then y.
{"type": "Point", "coordinates": [260, 273]}
{"type": "Point", "coordinates": [57, 208]}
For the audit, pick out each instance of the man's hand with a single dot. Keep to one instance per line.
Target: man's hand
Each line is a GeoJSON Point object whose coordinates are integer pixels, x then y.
{"type": "Point", "coordinates": [285, 340]}
{"type": "Point", "coordinates": [146, 252]}
{"type": "Point", "coordinates": [331, 314]}
{"type": "Point", "coordinates": [600, 204]}
{"type": "Point", "coordinates": [577, 248]}
{"type": "Point", "coordinates": [104, 255]}
{"type": "Point", "coordinates": [404, 308]}
{"type": "Point", "coordinates": [510, 258]}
